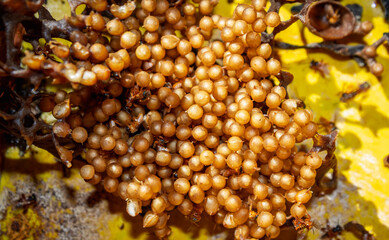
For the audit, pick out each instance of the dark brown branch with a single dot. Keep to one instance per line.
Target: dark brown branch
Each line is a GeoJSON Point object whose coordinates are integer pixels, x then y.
{"type": "Point", "coordinates": [358, 230]}
{"type": "Point", "coordinates": [384, 38]}
{"type": "Point", "coordinates": [12, 53]}
{"type": "Point", "coordinates": [326, 143]}
{"type": "Point", "coordinates": [340, 49]}
{"type": "Point", "coordinates": [356, 51]}
{"type": "Point", "coordinates": [361, 88]}
{"type": "Point", "coordinates": [53, 28]}
{"type": "Point", "coordinates": [275, 7]}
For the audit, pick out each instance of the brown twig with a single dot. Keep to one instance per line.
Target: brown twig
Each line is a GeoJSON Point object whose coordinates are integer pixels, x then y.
{"type": "Point", "coordinates": [361, 88]}
{"type": "Point", "coordinates": [353, 51]}
{"type": "Point", "coordinates": [326, 143]}
{"type": "Point", "coordinates": [358, 230]}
